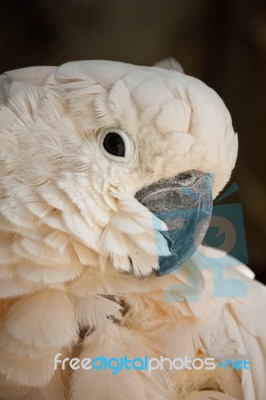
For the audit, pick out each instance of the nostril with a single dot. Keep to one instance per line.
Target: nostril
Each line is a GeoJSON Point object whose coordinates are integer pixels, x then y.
{"type": "Point", "coordinates": [186, 179]}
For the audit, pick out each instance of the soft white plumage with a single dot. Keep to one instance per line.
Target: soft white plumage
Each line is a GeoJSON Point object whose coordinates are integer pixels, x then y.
{"type": "Point", "coordinates": [77, 248]}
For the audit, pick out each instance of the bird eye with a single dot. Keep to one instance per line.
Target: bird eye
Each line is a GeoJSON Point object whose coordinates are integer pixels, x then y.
{"type": "Point", "coordinates": [117, 145]}
{"type": "Point", "coordinates": [114, 144]}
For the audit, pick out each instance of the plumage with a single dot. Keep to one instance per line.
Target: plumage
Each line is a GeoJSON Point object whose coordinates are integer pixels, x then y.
{"type": "Point", "coordinates": [80, 254]}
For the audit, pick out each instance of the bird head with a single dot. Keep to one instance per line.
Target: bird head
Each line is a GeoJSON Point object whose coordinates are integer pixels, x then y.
{"type": "Point", "coordinates": [115, 162]}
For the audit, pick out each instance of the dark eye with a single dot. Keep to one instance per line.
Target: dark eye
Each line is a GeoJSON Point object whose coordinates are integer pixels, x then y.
{"type": "Point", "coordinates": [114, 144]}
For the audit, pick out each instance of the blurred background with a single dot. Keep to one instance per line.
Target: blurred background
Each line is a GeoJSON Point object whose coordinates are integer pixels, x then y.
{"type": "Point", "coordinates": [222, 42]}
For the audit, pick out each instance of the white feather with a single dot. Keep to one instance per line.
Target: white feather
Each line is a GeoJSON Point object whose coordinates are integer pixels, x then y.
{"type": "Point", "coordinates": [114, 341]}
{"type": "Point", "coordinates": [31, 321]}
{"type": "Point", "coordinates": [92, 311]}
{"type": "Point", "coordinates": [27, 371]}
{"type": "Point", "coordinates": [48, 274]}
{"type": "Point", "coordinates": [13, 287]}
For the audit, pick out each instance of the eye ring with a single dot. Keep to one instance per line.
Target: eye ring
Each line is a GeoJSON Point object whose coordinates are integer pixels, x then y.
{"type": "Point", "coordinates": [117, 146]}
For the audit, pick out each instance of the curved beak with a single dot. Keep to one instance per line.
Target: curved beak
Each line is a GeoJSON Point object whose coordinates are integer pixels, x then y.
{"type": "Point", "coordinates": [184, 203]}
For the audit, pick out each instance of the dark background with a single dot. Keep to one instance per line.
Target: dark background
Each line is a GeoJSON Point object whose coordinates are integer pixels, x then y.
{"type": "Point", "coordinates": [222, 42]}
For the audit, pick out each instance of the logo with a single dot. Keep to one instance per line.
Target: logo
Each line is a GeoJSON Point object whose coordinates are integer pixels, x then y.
{"type": "Point", "coordinates": [145, 363]}
{"type": "Point", "coordinates": [226, 232]}
{"type": "Point", "coordinates": [238, 364]}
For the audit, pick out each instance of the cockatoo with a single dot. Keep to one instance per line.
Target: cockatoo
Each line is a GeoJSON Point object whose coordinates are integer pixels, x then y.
{"type": "Point", "coordinates": [108, 172]}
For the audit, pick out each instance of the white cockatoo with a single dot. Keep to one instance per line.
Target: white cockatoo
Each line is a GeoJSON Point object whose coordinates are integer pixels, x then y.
{"type": "Point", "coordinates": [107, 175]}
